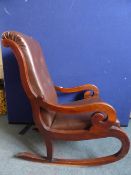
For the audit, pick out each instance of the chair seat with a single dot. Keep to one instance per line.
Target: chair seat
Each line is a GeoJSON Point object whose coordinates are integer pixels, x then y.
{"type": "Point", "coordinates": [74, 122]}
{"type": "Point", "coordinates": [71, 122]}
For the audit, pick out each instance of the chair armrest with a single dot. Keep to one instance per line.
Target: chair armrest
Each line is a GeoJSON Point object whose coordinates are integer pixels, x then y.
{"type": "Point", "coordinates": [94, 107]}
{"type": "Point", "coordinates": [86, 87]}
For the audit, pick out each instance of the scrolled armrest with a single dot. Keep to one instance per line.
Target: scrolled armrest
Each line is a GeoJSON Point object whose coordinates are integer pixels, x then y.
{"type": "Point", "coordinates": [86, 87]}
{"type": "Point", "coordinates": [92, 107]}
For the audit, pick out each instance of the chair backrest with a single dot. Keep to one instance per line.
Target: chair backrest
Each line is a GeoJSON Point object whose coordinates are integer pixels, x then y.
{"type": "Point", "coordinates": [33, 71]}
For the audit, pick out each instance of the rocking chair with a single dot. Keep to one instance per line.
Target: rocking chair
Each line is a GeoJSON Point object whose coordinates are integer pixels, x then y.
{"type": "Point", "coordinates": [86, 119]}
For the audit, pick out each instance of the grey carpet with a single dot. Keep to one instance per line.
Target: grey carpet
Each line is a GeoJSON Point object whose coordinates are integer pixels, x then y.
{"type": "Point", "coordinates": [11, 143]}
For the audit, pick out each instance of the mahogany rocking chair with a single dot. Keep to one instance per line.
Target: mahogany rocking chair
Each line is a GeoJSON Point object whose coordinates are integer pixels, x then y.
{"type": "Point", "coordinates": [86, 119]}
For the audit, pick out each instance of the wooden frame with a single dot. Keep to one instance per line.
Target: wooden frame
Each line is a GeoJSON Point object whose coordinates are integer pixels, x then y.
{"type": "Point", "coordinates": [103, 116]}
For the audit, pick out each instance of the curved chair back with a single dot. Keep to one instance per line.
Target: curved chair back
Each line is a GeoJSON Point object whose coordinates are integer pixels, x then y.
{"type": "Point", "coordinates": [33, 71]}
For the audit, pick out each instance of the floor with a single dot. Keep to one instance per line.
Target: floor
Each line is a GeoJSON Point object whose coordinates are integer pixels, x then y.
{"type": "Point", "coordinates": [12, 143]}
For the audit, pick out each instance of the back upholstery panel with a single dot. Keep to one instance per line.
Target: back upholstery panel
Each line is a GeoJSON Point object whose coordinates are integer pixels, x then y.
{"type": "Point", "coordinates": [39, 77]}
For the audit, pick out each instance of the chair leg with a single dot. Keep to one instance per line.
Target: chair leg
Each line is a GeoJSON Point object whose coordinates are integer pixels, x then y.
{"type": "Point", "coordinates": [49, 148]}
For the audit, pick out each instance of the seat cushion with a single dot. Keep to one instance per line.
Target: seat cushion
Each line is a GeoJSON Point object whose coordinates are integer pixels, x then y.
{"type": "Point", "coordinates": [78, 121]}
{"type": "Point", "coordinates": [71, 122]}
{"type": "Point", "coordinates": [52, 119]}
{"type": "Point", "coordinates": [62, 121]}
{"type": "Point", "coordinates": [74, 122]}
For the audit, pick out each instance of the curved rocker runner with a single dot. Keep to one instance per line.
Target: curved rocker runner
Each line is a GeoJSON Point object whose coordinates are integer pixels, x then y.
{"type": "Point", "coordinates": [86, 119]}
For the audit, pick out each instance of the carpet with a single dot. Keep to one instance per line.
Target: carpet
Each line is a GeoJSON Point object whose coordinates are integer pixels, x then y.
{"type": "Point", "coordinates": [12, 143]}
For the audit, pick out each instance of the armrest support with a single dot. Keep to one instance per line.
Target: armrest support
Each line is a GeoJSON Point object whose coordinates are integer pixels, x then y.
{"type": "Point", "coordinates": [86, 87]}
{"type": "Point", "coordinates": [94, 107]}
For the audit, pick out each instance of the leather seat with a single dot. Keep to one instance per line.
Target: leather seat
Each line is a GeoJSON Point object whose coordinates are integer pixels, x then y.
{"type": "Point", "coordinates": [67, 121]}
{"type": "Point", "coordinates": [77, 121]}
{"type": "Point", "coordinates": [71, 122]}
{"type": "Point", "coordinates": [74, 122]}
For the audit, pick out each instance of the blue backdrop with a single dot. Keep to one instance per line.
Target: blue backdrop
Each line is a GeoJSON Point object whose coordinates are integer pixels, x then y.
{"type": "Point", "coordinates": [84, 41]}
